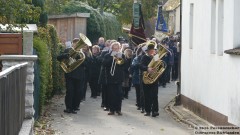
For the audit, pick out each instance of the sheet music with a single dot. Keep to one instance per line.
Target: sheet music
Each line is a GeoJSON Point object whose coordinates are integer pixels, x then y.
{"type": "Point", "coordinates": [114, 53]}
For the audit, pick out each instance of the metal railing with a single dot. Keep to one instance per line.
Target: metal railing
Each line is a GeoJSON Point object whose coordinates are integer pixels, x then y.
{"type": "Point", "coordinates": [12, 99]}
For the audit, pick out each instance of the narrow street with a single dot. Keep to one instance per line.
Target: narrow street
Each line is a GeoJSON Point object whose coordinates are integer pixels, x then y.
{"type": "Point", "coordinates": [91, 119]}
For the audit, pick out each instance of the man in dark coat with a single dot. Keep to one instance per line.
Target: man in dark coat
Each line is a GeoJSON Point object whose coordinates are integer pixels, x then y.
{"type": "Point", "coordinates": [114, 75]}
{"type": "Point", "coordinates": [74, 83]}
{"type": "Point", "coordinates": [137, 80]}
{"type": "Point", "coordinates": [88, 56]}
{"type": "Point", "coordinates": [150, 90]}
{"type": "Point", "coordinates": [101, 43]}
{"type": "Point", "coordinates": [103, 82]}
{"type": "Point", "coordinates": [175, 65]}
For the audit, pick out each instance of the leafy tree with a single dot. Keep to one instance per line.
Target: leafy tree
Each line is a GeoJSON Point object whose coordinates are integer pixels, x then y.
{"type": "Point", "coordinates": [55, 6]}
{"type": "Point", "coordinates": [123, 8]}
{"type": "Point", "coordinates": [105, 25]}
{"type": "Point", "coordinates": [18, 12]}
{"type": "Point", "coordinates": [43, 15]}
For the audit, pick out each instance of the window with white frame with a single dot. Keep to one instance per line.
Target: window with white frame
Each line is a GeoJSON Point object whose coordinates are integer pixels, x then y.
{"type": "Point", "coordinates": [191, 18]}
{"type": "Point", "coordinates": [213, 27]}
{"type": "Point", "coordinates": [219, 26]}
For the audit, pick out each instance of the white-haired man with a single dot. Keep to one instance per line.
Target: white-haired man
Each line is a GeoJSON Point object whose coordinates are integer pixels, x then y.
{"type": "Point", "coordinates": [114, 77]}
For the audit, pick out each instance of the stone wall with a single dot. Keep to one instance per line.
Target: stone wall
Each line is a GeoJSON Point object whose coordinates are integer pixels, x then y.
{"type": "Point", "coordinates": [11, 60]}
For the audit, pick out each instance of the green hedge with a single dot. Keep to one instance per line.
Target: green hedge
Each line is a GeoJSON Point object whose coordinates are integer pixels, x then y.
{"type": "Point", "coordinates": [48, 48]}
{"type": "Point", "coordinates": [98, 25]}
{"type": "Point", "coordinates": [113, 27]}
{"type": "Point", "coordinates": [44, 64]}
{"type": "Point", "coordinates": [57, 73]}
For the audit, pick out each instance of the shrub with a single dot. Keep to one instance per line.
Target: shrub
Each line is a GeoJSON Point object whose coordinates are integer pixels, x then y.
{"type": "Point", "coordinates": [112, 26]}
{"type": "Point", "coordinates": [57, 73]}
{"type": "Point", "coordinates": [43, 55]}
{"type": "Point", "coordinates": [48, 48]}
{"type": "Point", "coordinates": [98, 25]}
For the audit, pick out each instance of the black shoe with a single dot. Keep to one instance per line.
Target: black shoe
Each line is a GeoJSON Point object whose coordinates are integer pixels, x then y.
{"type": "Point", "coordinates": [119, 113]}
{"type": "Point", "coordinates": [106, 109]}
{"type": "Point", "coordinates": [82, 100]}
{"type": "Point", "coordinates": [76, 109]}
{"type": "Point", "coordinates": [73, 112]}
{"type": "Point", "coordinates": [70, 111]}
{"type": "Point", "coordinates": [142, 111]}
{"type": "Point", "coordinates": [155, 114]}
{"type": "Point", "coordinates": [139, 108]}
{"type": "Point", "coordinates": [67, 111]}
{"type": "Point", "coordinates": [111, 113]}
{"type": "Point", "coordinates": [147, 114]}
{"type": "Point", "coordinates": [102, 105]}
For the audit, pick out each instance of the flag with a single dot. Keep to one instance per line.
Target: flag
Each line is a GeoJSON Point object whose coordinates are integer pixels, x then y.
{"type": "Point", "coordinates": [137, 35]}
{"type": "Point", "coordinates": [161, 24]}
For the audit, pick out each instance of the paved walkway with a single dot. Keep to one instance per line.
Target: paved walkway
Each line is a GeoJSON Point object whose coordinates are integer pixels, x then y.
{"type": "Point", "coordinates": [92, 120]}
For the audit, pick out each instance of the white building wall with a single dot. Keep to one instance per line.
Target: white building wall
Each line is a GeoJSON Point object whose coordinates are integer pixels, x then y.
{"type": "Point", "coordinates": [208, 77]}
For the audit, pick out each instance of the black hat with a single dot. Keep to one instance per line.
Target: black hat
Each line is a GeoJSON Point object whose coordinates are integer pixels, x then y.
{"type": "Point", "coordinates": [164, 41]}
{"type": "Point", "coordinates": [121, 39]}
{"type": "Point", "coordinates": [150, 47]}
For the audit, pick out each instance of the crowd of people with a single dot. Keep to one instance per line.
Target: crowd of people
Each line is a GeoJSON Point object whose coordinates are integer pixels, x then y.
{"type": "Point", "coordinates": [112, 67]}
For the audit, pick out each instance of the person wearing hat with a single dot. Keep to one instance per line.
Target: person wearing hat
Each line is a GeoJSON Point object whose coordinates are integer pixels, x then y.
{"type": "Point", "coordinates": [121, 40]}
{"type": "Point", "coordinates": [150, 90]}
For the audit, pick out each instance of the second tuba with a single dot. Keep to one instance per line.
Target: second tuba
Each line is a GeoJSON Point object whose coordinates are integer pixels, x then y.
{"type": "Point", "coordinates": [159, 66]}
{"type": "Point", "coordinates": [76, 55]}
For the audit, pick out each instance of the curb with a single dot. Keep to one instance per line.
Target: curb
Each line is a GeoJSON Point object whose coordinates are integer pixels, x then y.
{"type": "Point", "coordinates": [27, 127]}
{"type": "Point", "coordinates": [169, 107]}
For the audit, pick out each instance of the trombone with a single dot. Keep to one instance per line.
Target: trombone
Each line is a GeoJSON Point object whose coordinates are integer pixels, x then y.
{"type": "Point", "coordinates": [115, 61]}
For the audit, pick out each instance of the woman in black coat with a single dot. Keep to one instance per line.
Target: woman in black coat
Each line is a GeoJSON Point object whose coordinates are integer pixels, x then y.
{"type": "Point", "coordinates": [127, 80]}
{"type": "Point", "coordinates": [95, 67]}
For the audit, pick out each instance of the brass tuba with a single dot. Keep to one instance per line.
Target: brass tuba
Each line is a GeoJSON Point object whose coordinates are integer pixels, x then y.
{"type": "Point", "coordinates": [76, 55]}
{"type": "Point", "coordinates": [159, 66]}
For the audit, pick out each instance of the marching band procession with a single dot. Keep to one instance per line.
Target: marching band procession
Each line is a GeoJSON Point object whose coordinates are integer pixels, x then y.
{"type": "Point", "coordinates": [113, 67]}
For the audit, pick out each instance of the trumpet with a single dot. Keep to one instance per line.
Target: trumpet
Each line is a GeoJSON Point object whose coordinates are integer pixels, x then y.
{"type": "Point", "coordinates": [116, 60]}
